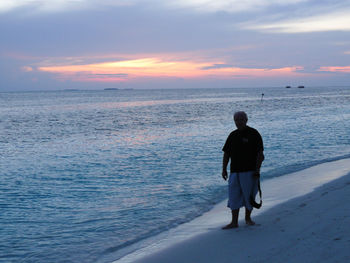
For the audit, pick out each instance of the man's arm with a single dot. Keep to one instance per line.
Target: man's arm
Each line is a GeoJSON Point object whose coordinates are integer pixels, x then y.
{"type": "Point", "coordinates": [225, 161]}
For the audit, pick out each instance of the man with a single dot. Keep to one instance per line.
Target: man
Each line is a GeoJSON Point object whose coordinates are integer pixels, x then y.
{"type": "Point", "coordinates": [244, 147]}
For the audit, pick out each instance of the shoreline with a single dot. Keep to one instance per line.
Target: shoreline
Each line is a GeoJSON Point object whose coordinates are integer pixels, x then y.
{"type": "Point", "coordinates": [277, 192]}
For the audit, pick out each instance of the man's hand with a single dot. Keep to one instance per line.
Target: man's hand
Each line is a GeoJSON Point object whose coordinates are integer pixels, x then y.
{"type": "Point", "coordinates": [225, 161]}
{"type": "Point", "coordinates": [224, 174]}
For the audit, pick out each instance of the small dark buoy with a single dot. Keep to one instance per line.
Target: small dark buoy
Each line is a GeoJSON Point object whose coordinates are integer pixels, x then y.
{"type": "Point", "coordinates": [262, 95]}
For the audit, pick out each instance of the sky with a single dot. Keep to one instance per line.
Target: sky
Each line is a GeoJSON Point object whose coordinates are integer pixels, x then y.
{"type": "Point", "coordinates": [97, 44]}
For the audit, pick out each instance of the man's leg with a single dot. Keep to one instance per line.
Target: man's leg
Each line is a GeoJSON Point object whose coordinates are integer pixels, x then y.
{"type": "Point", "coordinates": [234, 222]}
{"type": "Point", "coordinates": [248, 220]}
{"type": "Point", "coordinates": [247, 184]}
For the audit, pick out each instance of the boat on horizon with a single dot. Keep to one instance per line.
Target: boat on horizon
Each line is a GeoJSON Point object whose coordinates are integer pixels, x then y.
{"type": "Point", "coordinates": [288, 87]}
{"type": "Point", "coordinates": [301, 87]}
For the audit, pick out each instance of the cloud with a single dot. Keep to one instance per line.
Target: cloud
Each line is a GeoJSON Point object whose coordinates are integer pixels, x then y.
{"type": "Point", "coordinates": [133, 68]}
{"type": "Point", "coordinates": [42, 5]}
{"type": "Point", "coordinates": [26, 69]}
{"type": "Point", "coordinates": [218, 66]}
{"type": "Point", "coordinates": [232, 6]}
{"type": "Point", "coordinates": [138, 27]}
{"type": "Point", "coordinates": [59, 5]}
{"type": "Point", "coordinates": [344, 69]}
{"type": "Point", "coordinates": [198, 5]}
{"type": "Point", "coordinates": [152, 67]}
{"type": "Point", "coordinates": [123, 75]}
{"type": "Point", "coordinates": [7, 5]}
{"type": "Point", "coordinates": [337, 21]}
{"type": "Point", "coordinates": [91, 77]}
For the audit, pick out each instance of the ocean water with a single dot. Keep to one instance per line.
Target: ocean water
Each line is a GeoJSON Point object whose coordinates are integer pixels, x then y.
{"type": "Point", "coordinates": [85, 174]}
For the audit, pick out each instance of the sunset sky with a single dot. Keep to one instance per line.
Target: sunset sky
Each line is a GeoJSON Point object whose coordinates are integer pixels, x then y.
{"type": "Point", "coordinates": [96, 44]}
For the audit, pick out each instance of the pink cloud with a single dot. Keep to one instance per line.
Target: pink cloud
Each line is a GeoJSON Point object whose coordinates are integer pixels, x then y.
{"type": "Point", "coordinates": [153, 67]}
{"type": "Point", "coordinates": [345, 69]}
{"type": "Point", "coordinates": [26, 69]}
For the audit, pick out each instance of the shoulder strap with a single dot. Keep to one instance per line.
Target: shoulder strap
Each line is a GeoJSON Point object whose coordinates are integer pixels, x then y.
{"type": "Point", "coordinates": [252, 199]}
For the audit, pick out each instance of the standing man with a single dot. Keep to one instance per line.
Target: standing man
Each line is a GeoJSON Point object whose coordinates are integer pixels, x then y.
{"type": "Point", "coordinates": [244, 147]}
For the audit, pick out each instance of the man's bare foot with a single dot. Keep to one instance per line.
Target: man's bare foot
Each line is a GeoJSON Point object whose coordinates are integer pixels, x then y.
{"type": "Point", "coordinates": [229, 226]}
{"type": "Point", "coordinates": [250, 222]}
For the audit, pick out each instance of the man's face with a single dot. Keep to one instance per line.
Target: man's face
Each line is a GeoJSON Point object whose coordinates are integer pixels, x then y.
{"type": "Point", "coordinates": [240, 121]}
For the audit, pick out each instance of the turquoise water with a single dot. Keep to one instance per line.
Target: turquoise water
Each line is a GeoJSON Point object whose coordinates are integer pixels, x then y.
{"type": "Point", "coordinates": [86, 173]}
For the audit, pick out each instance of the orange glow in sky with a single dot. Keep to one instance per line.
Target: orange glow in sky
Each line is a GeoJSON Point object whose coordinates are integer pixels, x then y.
{"type": "Point", "coordinates": [345, 69]}
{"type": "Point", "coordinates": [118, 71]}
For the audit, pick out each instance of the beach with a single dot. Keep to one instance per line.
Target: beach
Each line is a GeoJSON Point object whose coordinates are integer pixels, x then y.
{"type": "Point", "coordinates": [305, 218]}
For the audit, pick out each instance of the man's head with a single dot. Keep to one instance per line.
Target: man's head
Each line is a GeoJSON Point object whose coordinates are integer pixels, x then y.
{"type": "Point", "coordinates": [240, 118]}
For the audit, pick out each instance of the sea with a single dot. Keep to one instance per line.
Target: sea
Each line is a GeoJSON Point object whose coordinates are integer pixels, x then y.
{"type": "Point", "coordinates": [86, 174]}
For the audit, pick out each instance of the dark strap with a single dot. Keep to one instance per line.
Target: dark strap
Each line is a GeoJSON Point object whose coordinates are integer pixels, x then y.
{"type": "Point", "coordinates": [259, 188]}
{"type": "Point", "coordinates": [252, 199]}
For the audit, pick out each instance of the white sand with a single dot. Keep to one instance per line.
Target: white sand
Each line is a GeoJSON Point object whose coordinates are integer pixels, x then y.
{"type": "Point", "coordinates": [313, 226]}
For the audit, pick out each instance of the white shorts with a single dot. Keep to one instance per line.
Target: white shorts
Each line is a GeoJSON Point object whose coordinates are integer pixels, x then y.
{"type": "Point", "coordinates": [240, 187]}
